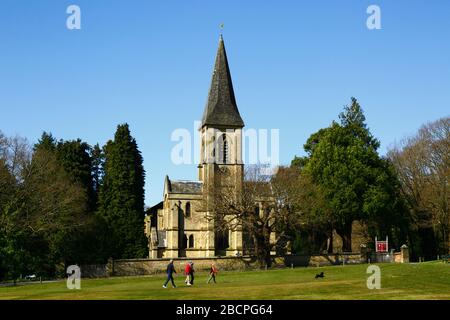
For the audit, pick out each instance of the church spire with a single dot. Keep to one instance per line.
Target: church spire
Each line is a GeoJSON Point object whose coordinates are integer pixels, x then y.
{"type": "Point", "coordinates": [221, 108]}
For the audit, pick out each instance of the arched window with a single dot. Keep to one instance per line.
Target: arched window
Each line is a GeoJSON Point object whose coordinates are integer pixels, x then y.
{"type": "Point", "coordinates": [185, 242]}
{"type": "Point", "coordinates": [191, 241]}
{"type": "Point", "coordinates": [225, 149]}
{"type": "Point", "coordinates": [188, 209]}
{"type": "Point", "coordinates": [213, 153]}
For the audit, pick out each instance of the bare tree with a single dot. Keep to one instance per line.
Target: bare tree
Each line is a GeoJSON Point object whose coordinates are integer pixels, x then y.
{"type": "Point", "coordinates": [423, 166]}
{"type": "Point", "coordinates": [268, 209]}
{"type": "Point", "coordinates": [300, 205]}
{"type": "Point", "coordinates": [42, 197]}
{"type": "Point", "coordinates": [15, 152]}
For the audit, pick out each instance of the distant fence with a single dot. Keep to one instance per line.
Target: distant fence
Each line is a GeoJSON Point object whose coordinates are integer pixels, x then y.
{"type": "Point", "coordinates": [389, 257]}
{"type": "Point", "coordinates": [134, 267]}
{"type": "Point", "coordinates": [382, 257]}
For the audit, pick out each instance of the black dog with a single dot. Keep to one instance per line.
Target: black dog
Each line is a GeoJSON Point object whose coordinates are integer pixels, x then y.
{"type": "Point", "coordinates": [320, 275]}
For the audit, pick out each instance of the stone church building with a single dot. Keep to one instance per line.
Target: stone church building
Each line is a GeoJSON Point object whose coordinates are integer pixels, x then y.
{"type": "Point", "coordinates": [178, 226]}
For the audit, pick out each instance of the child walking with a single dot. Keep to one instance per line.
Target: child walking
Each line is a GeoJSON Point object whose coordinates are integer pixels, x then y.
{"type": "Point", "coordinates": [212, 273]}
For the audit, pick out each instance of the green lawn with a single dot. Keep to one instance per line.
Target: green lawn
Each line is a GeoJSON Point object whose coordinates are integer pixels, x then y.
{"type": "Point", "coordinates": [430, 280]}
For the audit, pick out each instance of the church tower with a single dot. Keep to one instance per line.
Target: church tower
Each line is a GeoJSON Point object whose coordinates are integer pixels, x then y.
{"type": "Point", "coordinates": [221, 164]}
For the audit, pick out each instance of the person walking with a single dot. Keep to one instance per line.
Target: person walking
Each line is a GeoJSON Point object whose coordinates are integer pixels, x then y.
{"type": "Point", "coordinates": [170, 271]}
{"type": "Point", "coordinates": [212, 273]}
{"type": "Point", "coordinates": [191, 273]}
{"type": "Point", "coordinates": [187, 272]}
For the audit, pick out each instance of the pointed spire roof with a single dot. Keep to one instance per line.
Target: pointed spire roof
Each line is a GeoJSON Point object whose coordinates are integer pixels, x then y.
{"type": "Point", "coordinates": [221, 108]}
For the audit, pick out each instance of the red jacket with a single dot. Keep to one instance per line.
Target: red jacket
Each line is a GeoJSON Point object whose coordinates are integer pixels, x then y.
{"type": "Point", "coordinates": [187, 269]}
{"type": "Point", "coordinates": [213, 270]}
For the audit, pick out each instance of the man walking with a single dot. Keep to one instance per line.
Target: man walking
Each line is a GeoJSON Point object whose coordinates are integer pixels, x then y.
{"type": "Point", "coordinates": [170, 271]}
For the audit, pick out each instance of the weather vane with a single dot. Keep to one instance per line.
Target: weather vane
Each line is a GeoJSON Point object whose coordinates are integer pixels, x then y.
{"type": "Point", "coordinates": [221, 28]}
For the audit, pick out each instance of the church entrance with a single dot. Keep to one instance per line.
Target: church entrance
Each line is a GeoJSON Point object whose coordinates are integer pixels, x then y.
{"type": "Point", "coordinates": [221, 242]}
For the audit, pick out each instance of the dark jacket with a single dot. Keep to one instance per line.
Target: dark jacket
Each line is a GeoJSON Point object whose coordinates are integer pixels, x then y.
{"type": "Point", "coordinates": [170, 268]}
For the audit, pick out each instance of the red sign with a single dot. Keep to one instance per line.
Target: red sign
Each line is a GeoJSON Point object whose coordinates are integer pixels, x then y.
{"type": "Point", "coordinates": [382, 246]}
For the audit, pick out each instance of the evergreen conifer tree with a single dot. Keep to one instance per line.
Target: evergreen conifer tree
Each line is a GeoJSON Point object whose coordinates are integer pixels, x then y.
{"type": "Point", "coordinates": [121, 198]}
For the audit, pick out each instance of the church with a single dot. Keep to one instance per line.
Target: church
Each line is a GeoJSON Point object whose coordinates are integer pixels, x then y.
{"type": "Point", "coordinates": [178, 226]}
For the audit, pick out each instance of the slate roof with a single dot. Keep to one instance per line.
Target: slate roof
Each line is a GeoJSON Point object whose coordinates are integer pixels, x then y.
{"type": "Point", "coordinates": [221, 108]}
{"type": "Point", "coordinates": [185, 186]}
{"type": "Point", "coordinates": [154, 210]}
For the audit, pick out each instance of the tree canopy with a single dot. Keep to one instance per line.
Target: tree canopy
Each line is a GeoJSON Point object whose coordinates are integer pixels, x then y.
{"type": "Point", "coordinates": [357, 183]}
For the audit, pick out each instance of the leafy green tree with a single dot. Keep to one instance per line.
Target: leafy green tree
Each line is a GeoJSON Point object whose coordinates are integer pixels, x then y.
{"type": "Point", "coordinates": [299, 162]}
{"type": "Point", "coordinates": [98, 159]}
{"type": "Point", "coordinates": [75, 158]}
{"type": "Point", "coordinates": [358, 184]}
{"type": "Point", "coordinates": [47, 142]}
{"type": "Point", "coordinates": [121, 199]}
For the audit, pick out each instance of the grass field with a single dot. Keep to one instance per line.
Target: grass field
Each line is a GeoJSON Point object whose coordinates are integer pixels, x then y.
{"type": "Point", "coordinates": [430, 280]}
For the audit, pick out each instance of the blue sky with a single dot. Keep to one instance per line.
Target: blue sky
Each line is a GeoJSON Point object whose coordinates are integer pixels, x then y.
{"type": "Point", "coordinates": [148, 63]}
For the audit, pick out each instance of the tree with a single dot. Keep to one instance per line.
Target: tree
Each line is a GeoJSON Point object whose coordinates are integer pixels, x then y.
{"type": "Point", "coordinates": [16, 153]}
{"type": "Point", "coordinates": [269, 209]}
{"type": "Point", "coordinates": [343, 160]}
{"type": "Point", "coordinates": [244, 211]}
{"type": "Point", "coordinates": [55, 205]}
{"type": "Point", "coordinates": [422, 163]}
{"type": "Point", "coordinates": [47, 142]}
{"type": "Point", "coordinates": [75, 158]}
{"type": "Point", "coordinates": [121, 200]}
{"type": "Point", "coordinates": [39, 203]}
{"type": "Point", "coordinates": [83, 166]}
{"type": "Point", "coordinates": [7, 185]}
{"type": "Point", "coordinates": [13, 157]}
{"type": "Point", "coordinates": [98, 159]}
{"type": "Point", "coordinates": [313, 229]}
